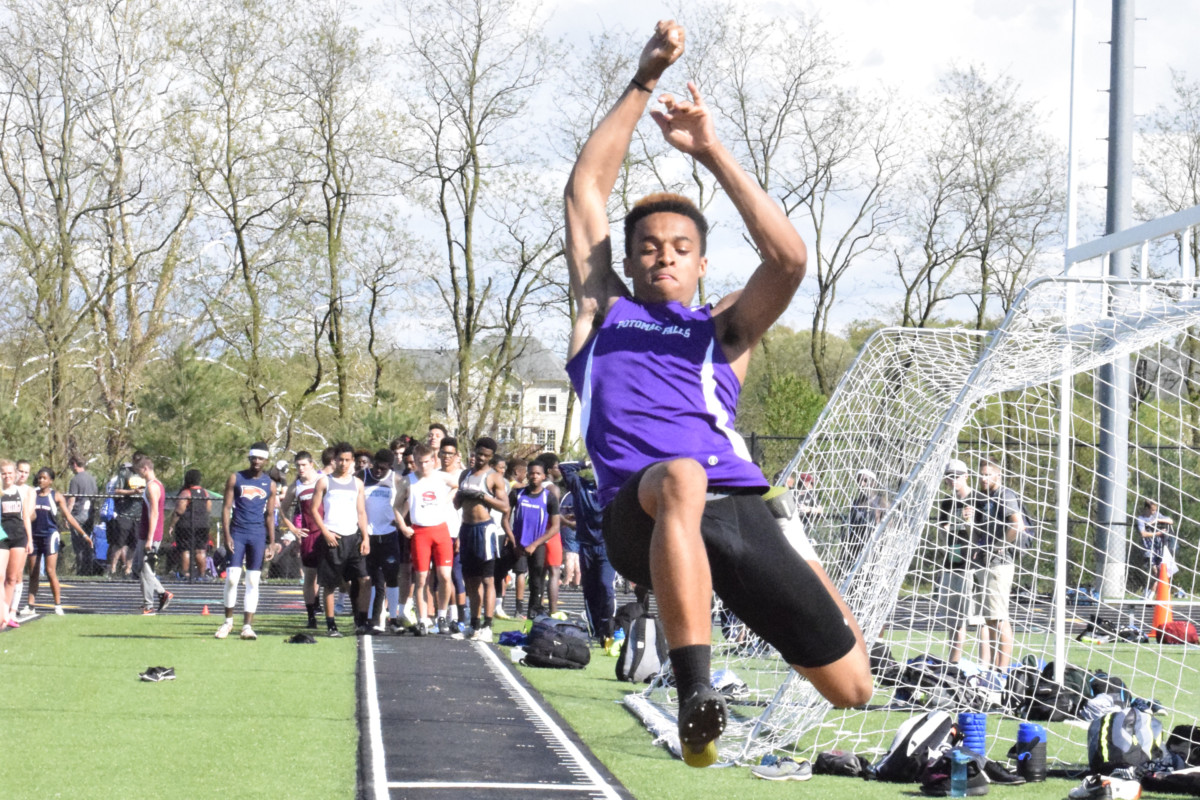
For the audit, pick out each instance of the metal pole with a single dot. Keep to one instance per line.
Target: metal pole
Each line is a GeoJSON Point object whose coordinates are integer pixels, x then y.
{"type": "Point", "coordinates": [1112, 465]}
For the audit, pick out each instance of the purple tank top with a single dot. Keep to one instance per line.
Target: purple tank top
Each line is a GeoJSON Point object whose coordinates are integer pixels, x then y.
{"type": "Point", "coordinates": [654, 385]}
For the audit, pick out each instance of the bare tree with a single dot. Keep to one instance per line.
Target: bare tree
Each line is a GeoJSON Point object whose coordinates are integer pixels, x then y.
{"type": "Point", "coordinates": [239, 130]}
{"type": "Point", "coordinates": [470, 70]}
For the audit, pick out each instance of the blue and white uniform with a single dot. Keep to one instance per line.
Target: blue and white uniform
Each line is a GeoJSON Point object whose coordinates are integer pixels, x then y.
{"type": "Point", "coordinates": [248, 519]}
{"type": "Point", "coordinates": [46, 539]}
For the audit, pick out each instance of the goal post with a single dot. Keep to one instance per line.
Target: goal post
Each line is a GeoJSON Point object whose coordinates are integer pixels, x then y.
{"type": "Point", "coordinates": [1023, 396]}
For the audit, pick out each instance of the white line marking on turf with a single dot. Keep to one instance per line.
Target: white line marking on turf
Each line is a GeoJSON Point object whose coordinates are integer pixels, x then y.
{"type": "Point", "coordinates": [374, 730]}
{"type": "Point", "coordinates": [501, 669]}
{"type": "Point", "coordinates": [550, 787]}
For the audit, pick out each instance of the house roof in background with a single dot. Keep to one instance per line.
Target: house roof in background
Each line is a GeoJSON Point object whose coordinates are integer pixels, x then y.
{"type": "Point", "coordinates": [533, 362]}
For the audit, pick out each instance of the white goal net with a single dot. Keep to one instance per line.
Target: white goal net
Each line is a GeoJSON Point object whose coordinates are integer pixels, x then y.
{"type": "Point", "coordinates": [1024, 396]}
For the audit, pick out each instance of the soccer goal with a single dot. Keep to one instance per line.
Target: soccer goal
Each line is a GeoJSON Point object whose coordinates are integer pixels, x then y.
{"type": "Point", "coordinates": [1025, 396]}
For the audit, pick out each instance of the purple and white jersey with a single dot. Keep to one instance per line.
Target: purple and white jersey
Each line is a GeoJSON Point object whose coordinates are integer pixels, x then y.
{"type": "Point", "coordinates": [655, 385]}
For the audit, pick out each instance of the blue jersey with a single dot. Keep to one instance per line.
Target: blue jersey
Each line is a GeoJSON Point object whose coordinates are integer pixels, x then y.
{"type": "Point", "coordinates": [654, 385]}
{"type": "Point", "coordinates": [250, 495]}
{"type": "Point", "coordinates": [45, 514]}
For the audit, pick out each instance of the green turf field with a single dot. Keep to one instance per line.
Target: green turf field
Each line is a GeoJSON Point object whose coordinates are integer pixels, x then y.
{"type": "Point", "coordinates": [589, 700]}
{"type": "Point", "coordinates": [243, 719]}
{"type": "Point", "coordinates": [247, 719]}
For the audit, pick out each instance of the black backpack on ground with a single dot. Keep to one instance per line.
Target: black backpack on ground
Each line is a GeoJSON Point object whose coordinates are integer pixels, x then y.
{"type": "Point", "coordinates": [559, 644]}
{"type": "Point", "coordinates": [1185, 743]}
{"type": "Point", "coordinates": [644, 650]}
{"type": "Point", "coordinates": [919, 741]}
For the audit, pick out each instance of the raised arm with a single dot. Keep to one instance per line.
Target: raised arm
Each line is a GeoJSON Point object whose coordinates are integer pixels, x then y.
{"type": "Point", "coordinates": [594, 284]}
{"type": "Point", "coordinates": [745, 316]}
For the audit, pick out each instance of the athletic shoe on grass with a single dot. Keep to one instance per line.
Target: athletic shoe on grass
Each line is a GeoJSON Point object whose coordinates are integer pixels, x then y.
{"type": "Point", "coordinates": [156, 674]}
{"type": "Point", "coordinates": [225, 629]}
{"type": "Point", "coordinates": [58, 611]}
{"type": "Point", "coordinates": [774, 768]}
{"type": "Point", "coordinates": [482, 635]}
{"type": "Point", "coordinates": [500, 613]}
{"type": "Point", "coordinates": [248, 633]}
{"type": "Point", "coordinates": [702, 718]}
{"type": "Point", "coordinates": [149, 612]}
{"type": "Point", "coordinates": [1101, 787]}
{"type": "Point", "coordinates": [164, 600]}
{"type": "Point", "coordinates": [334, 633]}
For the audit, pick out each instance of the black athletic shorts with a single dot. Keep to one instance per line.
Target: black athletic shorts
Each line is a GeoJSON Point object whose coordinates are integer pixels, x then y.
{"type": "Point", "coordinates": [343, 562]}
{"type": "Point", "coordinates": [191, 538]}
{"type": "Point", "coordinates": [755, 572]}
{"type": "Point", "coordinates": [122, 532]}
{"type": "Point", "coordinates": [385, 558]}
{"type": "Point", "coordinates": [512, 559]}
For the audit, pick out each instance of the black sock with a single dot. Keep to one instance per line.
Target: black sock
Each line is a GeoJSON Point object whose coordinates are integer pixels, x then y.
{"type": "Point", "coordinates": [691, 665]}
{"type": "Point", "coordinates": [462, 613]}
{"type": "Point", "coordinates": [487, 622]}
{"type": "Point", "coordinates": [312, 611]}
{"type": "Point", "coordinates": [475, 623]}
{"type": "Point", "coordinates": [331, 623]}
{"type": "Point", "coordinates": [360, 618]}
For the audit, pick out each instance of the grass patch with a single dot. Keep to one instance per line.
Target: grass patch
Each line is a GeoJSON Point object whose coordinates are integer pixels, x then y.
{"type": "Point", "coordinates": [243, 719]}
{"type": "Point", "coordinates": [589, 700]}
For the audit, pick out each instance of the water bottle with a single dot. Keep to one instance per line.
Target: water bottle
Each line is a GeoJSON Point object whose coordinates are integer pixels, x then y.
{"type": "Point", "coordinates": [958, 772]}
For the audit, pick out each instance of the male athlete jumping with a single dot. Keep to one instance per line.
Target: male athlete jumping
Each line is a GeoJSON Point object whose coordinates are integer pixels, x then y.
{"type": "Point", "coordinates": [659, 381]}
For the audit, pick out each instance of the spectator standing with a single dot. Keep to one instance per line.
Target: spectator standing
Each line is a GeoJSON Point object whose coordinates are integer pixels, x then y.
{"type": "Point", "coordinates": [482, 491]}
{"type": "Point", "coordinates": [248, 520]}
{"type": "Point", "coordinates": [82, 499]}
{"type": "Point", "coordinates": [1155, 530]}
{"type": "Point", "coordinates": [532, 522]}
{"type": "Point", "coordinates": [191, 523]}
{"type": "Point", "coordinates": [150, 537]}
{"type": "Point", "coordinates": [866, 512]}
{"type": "Point", "coordinates": [998, 521]}
{"type": "Point", "coordinates": [16, 520]}
{"type": "Point", "coordinates": [597, 576]}
{"type": "Point", "coordinates": [47, 542]}
{"type": "Point", "coordinates": [122, 529]}
{"type": "Point", "coordinates": [956, 518]}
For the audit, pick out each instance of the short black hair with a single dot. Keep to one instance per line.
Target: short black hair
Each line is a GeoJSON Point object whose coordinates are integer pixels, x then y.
{"type": "Point", "coordinates": [303, 455]}
{"type": "Point", "coordinates": [486, 441]}
{"type": "Point", "coordinates": [192, 478]}
{"type": "Point", "coordinates": [385, 456]}
{"type": "Point", "coordinates": [260, 446]}
{"type": "Point", "coordinates": [449, 441]}
{"type": "Point", "coordinates": [440, 427]}
{"type": "Point", "coordinates": [664, 203]}
{"type": "Point", "coordinates": [548, 460]}
{"type": "Point", "coordinates": [342, 447]}
{"type": "Point", "coordinates": [327, 456]}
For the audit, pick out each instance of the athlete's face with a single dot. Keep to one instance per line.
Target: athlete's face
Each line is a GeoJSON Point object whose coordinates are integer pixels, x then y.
{"type": "Point", "coordinates": [256, 463]}
{"type": "Point", "coordinates": [537, 475]}
{"type": "Point", "coordinates": [343, 464]}
{"type": "Point", "coordinates": [380, 468]}
{"type": "Point", "coordinates": [43, 481]}
{"type": "Point", "coordinates": [305, 469]}
{"type": "Point", "coordinates": [22, 473]}
{"type": "Point", "coordinates": [8, 475]}
{"type": "Point", "coordinates": [144, 471]}
{"type": "Point", "coordinates": [362, 463]}
{"type": "Point", "coordinates": [447, 455]}
{"type": "Point", "coordinates": [666, 263]}
{"type": "Point", "coordinates": [426, 466]}
{"type": "Point", "coordinates": [481, 457]}
{"type": "Point", "coordinates": [434, 439]}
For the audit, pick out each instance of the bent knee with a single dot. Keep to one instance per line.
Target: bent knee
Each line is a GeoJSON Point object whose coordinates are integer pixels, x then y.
{"type": "Point", "coordinates": [853, 693]}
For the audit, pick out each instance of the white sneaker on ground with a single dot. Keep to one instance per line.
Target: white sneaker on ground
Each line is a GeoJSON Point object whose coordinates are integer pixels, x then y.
{"type": "Point", "coordinates": [500, 613]}
{"type": "Point", "coordinates": [224, 630]}
{"type": "Point", "coordinates": [58, 611]}
{"type": "Point", "coordinates": [482, 635]}
{"type": "Point", "coordinates": [248, 632]}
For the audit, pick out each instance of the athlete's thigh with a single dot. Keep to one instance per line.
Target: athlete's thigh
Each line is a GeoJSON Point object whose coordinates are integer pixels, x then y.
{"type": "Point", "coordinates": [769, 586]}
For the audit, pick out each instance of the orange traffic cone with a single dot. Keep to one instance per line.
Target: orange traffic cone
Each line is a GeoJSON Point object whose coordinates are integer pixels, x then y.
{"type": "Point", "coordinates": [204, 611]}
{"type": "Point", "coordinates": [1162, 601]}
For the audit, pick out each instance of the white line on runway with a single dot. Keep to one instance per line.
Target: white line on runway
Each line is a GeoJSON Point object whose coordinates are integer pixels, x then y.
{"type": "Point", "coordinates": [375, 731]}
{"type": "Point", "coordinates": [549, 787]}
{"type": "Point", "coordinates": [503, 671]}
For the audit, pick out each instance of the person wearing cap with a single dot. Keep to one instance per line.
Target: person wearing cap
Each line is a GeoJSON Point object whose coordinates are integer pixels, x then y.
{"type": "Point", "coordinates": [248, 523]}
{"type": "Point", "coordinates": [955, 520]}
{"type": "Point", "coordinates": [866, 512]}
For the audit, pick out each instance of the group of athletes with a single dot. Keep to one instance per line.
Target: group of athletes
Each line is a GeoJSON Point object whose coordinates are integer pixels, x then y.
{"type": "Point", "coordinates": [410, 534]}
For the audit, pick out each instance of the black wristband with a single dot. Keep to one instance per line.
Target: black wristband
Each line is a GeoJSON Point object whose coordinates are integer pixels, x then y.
{"type": "Point", "coordinates": [634, 81]}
